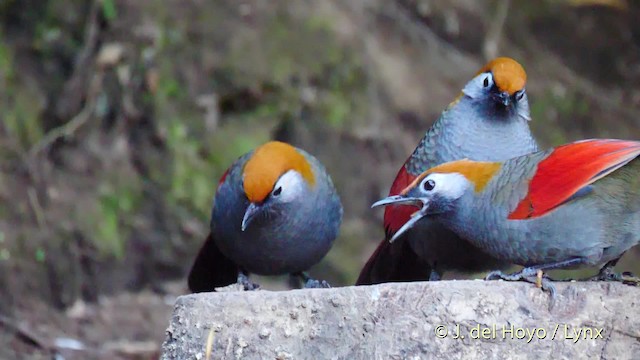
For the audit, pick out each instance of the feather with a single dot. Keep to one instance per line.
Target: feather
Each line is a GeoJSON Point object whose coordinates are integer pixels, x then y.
{"type": "Point", "coordinates": [211, 269]}
{"type": "Point", "coordinates": [224, 177]}
{"type": "Point", "coordinates": [570, 168]}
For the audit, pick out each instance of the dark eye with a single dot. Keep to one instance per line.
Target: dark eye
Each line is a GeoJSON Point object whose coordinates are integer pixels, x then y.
{"type": "Point", "coordinates": [519, 95]}
{"type": "Point", "coordinates": [429, 185]}
{"type": "Point", "coordinates": [277, 191]}
{"type": "Point", "coordinates": [486, 82]}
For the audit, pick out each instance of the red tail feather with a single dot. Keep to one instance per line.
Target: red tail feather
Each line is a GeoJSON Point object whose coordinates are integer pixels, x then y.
{"type": "Point", "coordinates": [568, 169]}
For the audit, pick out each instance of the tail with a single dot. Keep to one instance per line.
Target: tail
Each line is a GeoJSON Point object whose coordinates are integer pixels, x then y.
{"type": "Point", "coordinates": [395, 262]}
{"type": "Point", "coordinates": [211, 269]}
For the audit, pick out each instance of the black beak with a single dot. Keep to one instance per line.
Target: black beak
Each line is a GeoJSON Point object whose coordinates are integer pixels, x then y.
{"type": "Point", "coordinates": [250, 214]}
{"type": "Point", "coordinates": [423, 203]}
{"type": "Point", "coordinates": [504, 98]}
{"type": "Point", "coordinates": [399, 200]}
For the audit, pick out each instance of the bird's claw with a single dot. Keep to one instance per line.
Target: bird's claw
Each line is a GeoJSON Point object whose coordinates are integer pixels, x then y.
{"type": "Point", "coordinates": [547, 285]}
{"type": "Point", "coordinates": [499, 275]}
{"type": "Point", "coordinates": [628, 278]}
{"type": "Point", "coordinates": [607, 274]}
{"type": "Point", "coordinates": [311, 283]}
{"type": "Point", "coordinates": [530, 275]}
{"type": "Point", "coordinates": [316, 284]}
{"type": "Point", "coordinates": [243, 280]}
{"type": "Point", "coordinates": [517, 276]}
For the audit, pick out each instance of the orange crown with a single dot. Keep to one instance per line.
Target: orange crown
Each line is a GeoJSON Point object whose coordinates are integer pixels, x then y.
{"type": "Point", "coordinates": [267, 164]}
{"type": "Point", "coordinates": [508, 74]}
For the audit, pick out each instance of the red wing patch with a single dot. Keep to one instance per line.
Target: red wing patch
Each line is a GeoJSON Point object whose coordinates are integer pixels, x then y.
{"type": "Point", "coordinates": [568, 169]}
{"type": "Point", "coordinates": [398, 215]}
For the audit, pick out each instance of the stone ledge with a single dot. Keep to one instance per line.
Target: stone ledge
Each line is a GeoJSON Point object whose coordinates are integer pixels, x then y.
{"type": "Point", "coordinates": [399, 321]}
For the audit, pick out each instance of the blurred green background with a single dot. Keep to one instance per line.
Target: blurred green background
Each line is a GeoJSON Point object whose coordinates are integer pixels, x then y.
{"type": "Point", "coordinates": [119, 116]}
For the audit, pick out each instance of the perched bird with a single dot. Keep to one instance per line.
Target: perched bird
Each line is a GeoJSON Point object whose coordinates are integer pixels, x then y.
{"type": "Point", "coordinates": [575, 205]}
{"type": "Point", "coordinates": [275, 212]}
{"type": "Point", "coordinates": [488, 121]}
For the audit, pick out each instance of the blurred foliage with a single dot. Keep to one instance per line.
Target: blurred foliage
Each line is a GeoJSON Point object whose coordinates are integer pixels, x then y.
{"type": "Point", "coordinates": [551, 106]}
{"type": "Point", "coordinates": [117, 205]}
{"type": "Point", "coordinates": [19, 104]}
{"type": "Point", "coordinates": [619, 4]}
{"type": "Point", "coordinates": [307, 67]}
{"type": "Point", "coordinates": [5, 254]}
{"type": "Point", "coordinates": [109, 9]}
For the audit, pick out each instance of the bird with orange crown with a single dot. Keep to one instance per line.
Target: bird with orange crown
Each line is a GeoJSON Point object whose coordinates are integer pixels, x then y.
{"type": "Point", "coordinates": [571, 206]}
{"type": "Point", "coordinates": [275, 212]}
{"type": "Point", "coordinates": [489, 121]}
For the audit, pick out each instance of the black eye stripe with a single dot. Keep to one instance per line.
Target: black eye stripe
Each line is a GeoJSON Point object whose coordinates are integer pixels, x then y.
{"type": "Point", "coordinates": [486, 81]}
{"type": "Point", "coordinates": [277, 191]}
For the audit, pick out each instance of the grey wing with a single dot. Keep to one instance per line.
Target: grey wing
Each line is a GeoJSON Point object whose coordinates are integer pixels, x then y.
{"type": "Point", "coordinates": [511, 184]}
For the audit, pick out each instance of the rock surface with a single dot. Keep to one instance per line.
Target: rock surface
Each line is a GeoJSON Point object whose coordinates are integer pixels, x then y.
{"type": "Point", "coordinates": [410, 321]}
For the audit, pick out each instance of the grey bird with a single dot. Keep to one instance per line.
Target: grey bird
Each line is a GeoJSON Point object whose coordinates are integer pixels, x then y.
{"type": "Point", "coordinates": [489, 121]}
{"type": "Point", "coordinates": [275, 212]}
{"type": "Point", "coordinates": [572, 206]}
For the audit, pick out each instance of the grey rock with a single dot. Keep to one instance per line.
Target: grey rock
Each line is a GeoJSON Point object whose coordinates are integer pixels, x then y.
{"type": "Point", "coordinates": [495, 320]}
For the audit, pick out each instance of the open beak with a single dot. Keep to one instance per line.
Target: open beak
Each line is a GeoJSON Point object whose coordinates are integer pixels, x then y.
{"type": "Point", "coordinates": [249, 215]}
{"type": "Point", "coordinates": [422, 203]}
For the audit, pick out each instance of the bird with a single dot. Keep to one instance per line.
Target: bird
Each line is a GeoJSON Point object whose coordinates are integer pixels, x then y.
{"type": "Point", "coordinates": [488, 121]}
{"type": "Point", "coordinates": [275, 211]}
{"type": "Point", "coordinates": [576, 205]}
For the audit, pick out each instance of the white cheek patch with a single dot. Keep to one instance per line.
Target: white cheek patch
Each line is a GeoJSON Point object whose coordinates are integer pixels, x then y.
{"type": "Point", "coordinates": [452, 185]}
{"type": "Point", "coordinates": [292, 185]}
{"type": "Point", "coordinates": [475, 88]}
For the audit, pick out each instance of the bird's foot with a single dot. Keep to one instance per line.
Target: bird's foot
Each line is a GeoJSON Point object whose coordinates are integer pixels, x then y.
{"type": "Point", "coordinates": [607, 274]}
{"type": "Point", "coordinates": [521, 275]}
{"type": "Point", "coordinates": [243, 280]}
{"type": "Point", "coordinates": [316, 284]}
{"type": "Point", "coordinates": [530, 275]}
{"type": "Point", "coordinates": [628, 278]}
{"type": "Point", "coordinates": [311, 283]}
